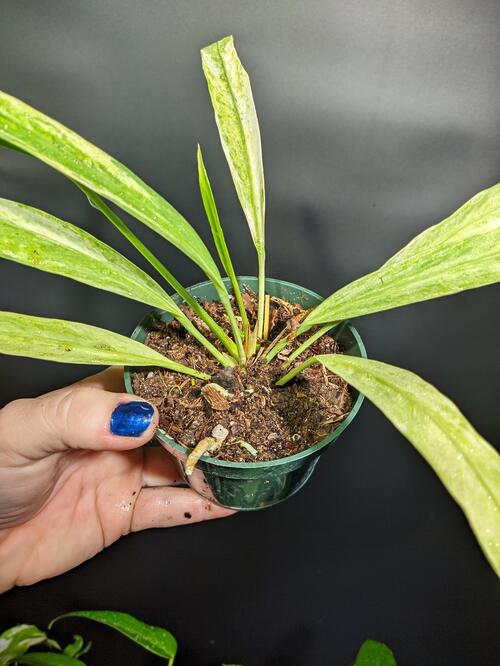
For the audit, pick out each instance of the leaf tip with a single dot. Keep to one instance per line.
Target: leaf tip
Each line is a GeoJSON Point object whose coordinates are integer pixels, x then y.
{"type": "Point", "coordinates": [228, 40]}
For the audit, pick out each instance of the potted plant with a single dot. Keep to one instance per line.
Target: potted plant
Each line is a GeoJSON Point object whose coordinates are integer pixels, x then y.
{"type": "Point", "coordinates": [263, 375]}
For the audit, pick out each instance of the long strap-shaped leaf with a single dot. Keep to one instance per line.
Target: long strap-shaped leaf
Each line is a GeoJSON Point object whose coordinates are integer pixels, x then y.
{"type": "Point", "coordinates": [53, 143]}
{"type": "Point", "coordinates": [157, 640]}
{"type": "Point", "coordinates": [468, 466]}
{"type": "Point", "coordinates": [72, 342]}
{"type": "Point", "coordinates": [96, 201]}
{"type": "Point", "coordinates": [35, 238]}
{"type": "Point", "coordinates": [236, 117]}
{"type": "Point", "coordinates": [462, 252]}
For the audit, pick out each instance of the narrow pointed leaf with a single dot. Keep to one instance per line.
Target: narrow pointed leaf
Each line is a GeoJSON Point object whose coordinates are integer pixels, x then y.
{"type": "Point", "coordinates": [308, 342]}
{"type": "Point", "coordinates": [157, 640]}
{"type": "Point", "coordinates": [97, 203]}
{"type": "Point", "coordinates": [231, 95]}
{"type": "Point", "coordinates": [72, 342]}
{"type": "Point", "coordinates": [218, 234]}
{"type": "Point", "coordinates": [48, 140]}
{"type": "Point", "coordinates": [35, 238]}
{"type": "Point", "coordinates": [463, 252]}
{"type": "Point", "coordinates": [467, 465]}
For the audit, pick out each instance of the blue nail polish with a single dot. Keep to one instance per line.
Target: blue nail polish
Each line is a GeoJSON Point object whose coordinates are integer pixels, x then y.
{"type": "Point", "coordinates": [131, 419]}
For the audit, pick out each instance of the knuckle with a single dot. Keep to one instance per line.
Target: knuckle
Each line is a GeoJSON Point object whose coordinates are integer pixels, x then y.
{"type": "Point", "coordinates": [63, 409]}
{"type": "Point", "coordinates": [55, 413]}
{"type": "Point", "coordinates": [48, 414]}
{"type": "Point", "coordinates": [67, 411]}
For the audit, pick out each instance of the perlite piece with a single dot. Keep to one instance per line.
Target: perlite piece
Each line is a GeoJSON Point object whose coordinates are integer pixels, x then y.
{"type": "Point", "coordinates": [220, 433]}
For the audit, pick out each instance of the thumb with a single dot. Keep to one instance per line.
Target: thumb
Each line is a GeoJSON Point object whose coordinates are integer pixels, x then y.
{"type": "Point", "coordinates": [77, 417]}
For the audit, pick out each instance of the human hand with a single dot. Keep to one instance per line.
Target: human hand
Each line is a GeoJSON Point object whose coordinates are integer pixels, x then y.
{"type": "Point", "coordinates": [69, 487]}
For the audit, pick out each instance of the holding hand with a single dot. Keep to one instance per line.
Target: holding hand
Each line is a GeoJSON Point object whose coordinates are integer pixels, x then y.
{"type": "Point", "coordinates": [74, 478]}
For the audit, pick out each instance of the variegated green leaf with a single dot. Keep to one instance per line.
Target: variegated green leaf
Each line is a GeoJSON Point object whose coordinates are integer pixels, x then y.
{"type": "Point", "coordinates": [14, 642]}
{"type": "Point", "coordinates": [231, 95]}
{"type": "Point", "coordinates": [35, 238]}
{"type": "Point", "coordinates": [468, 466]}
{"type": "Point", "coordinates": [72, 342]}
{"type": "Point", "coordinates": [35, 133]}
{"type": "Point", "coordinates": [463, 252]}
{"type": "Point", "coordinates": [478, 216]}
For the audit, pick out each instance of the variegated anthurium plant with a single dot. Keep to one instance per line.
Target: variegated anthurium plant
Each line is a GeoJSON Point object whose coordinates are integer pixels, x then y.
{"type": "Point", "coordinates": [462, 252]}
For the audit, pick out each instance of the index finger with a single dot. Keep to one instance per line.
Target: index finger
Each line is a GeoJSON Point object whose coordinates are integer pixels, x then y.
{"type": "Point", "coordinates": [170, 506]}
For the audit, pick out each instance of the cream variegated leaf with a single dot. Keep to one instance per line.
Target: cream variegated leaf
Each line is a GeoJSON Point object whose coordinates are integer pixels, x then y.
{"type": "Point", "coordinates": [72, 342]}
{"type": "Point", "coordinates": [35, 238]}
{"type": "Point", "coordinates": [29, 130]}
{"type": "Point", "coordinates": [478, 216]}
{"type": "Point", "coordinates": [462, 252]}
{"type": "Point", "coordinates": [231, 95]}
{"type": "Point", "coordinates": [467, 464]}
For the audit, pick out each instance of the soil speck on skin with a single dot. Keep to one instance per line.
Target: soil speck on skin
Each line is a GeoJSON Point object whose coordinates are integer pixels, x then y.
{"type": "Point", "coordinates": [187, 515]}
{"type": "Point", "coordinates": [275, 422]}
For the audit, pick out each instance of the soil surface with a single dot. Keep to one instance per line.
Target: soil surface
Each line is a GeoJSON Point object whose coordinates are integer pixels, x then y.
{"type": "Point", "coordinates": [255, 419]}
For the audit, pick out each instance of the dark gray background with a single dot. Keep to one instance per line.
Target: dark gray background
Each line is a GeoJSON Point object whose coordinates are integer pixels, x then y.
{"type": "Point", "coordinates": [378, 119]}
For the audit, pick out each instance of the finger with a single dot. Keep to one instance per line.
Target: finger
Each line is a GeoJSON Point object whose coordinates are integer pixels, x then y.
{"type": "Point", "coordinates": [79, 417]}
{"type": "Point", "coordinates": [167, 507]}
{"type": "Point", "coordinates": [160, 468]}
{"type": "Point", "coordinates": [110, 379]}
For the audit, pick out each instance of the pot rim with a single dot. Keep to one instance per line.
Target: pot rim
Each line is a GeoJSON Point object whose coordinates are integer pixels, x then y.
{"type": "Point", "coordinates": [262, 463]}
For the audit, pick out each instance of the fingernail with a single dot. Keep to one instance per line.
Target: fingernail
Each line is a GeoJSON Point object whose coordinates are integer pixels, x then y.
{"type": "Point", "coordinates": [131, 419]}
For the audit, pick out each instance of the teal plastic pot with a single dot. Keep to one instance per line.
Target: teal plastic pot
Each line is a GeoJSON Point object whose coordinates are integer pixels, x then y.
{"type": "Point", "coordinates": [250, 486]}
